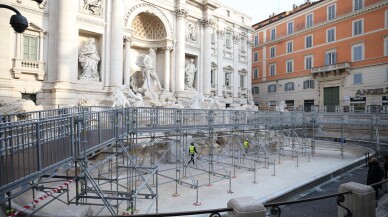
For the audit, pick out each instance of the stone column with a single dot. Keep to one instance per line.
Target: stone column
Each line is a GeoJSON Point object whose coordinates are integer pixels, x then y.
{"type": "Point", "coordinates": [181, 14]}
{"type": "Point", "coordinates": [116, 54]}
{"type": "Point", "coordinates": [127, 60]}
{"type": "Point", "coordinates": [18, 45]}
{"type": "Point", "coordinates": [236, 75]}
{"type": "Point", "coordinates": [207, 24]}
{"type": "Point", "coordinates": [220, 56]}
{"type": "Point", "coordinates": [246, 207]}
{"type": "Point", "coordinates": [67, 35]}
{"type": "Point", "coordinates": [167, 70]}
{"type": "Point", "coordinates": [361, 202]}
{"type": "Point", "coordinates": [41, 37]}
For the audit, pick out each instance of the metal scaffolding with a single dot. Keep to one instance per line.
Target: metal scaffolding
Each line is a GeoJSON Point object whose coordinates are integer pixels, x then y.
{"type": "Point", "coordinates": [118, 158]}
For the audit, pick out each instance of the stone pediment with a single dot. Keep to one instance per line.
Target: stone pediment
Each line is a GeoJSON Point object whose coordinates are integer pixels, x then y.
{"type": "Point", "coordinates": [228, 68]}
{"type": "Point", "coordinates": [34, 27]}
{"type": "Point", "coordinates": [243, 70]}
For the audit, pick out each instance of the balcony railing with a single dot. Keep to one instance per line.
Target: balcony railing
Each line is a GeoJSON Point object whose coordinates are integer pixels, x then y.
{"type": "Point", "coordinates": [329, 68]}
{"type": "Point", "coordinates": [28, 67]}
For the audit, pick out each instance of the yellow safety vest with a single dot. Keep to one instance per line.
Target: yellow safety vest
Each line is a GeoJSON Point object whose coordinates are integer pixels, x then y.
{"type": "Point", "coordinates": [192, 149]}
{"type": "Point", "coordinates": [246, 144]}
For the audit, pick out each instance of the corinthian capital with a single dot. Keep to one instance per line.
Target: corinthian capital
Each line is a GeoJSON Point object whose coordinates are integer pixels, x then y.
{"type": "Point", "coordinates": [181, 12]}
{"type": "Point", "coordinates": [207, 22]}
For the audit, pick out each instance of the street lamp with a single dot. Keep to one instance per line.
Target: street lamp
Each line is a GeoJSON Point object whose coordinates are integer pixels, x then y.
{"type": "Point", "coordinates": [17, 21]}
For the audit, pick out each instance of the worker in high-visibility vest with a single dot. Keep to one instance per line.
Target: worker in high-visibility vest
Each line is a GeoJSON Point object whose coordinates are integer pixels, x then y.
{"type": "Point", "coordinates": [246, 145]}
{"type": "Point", "coordinates": [192, 152]}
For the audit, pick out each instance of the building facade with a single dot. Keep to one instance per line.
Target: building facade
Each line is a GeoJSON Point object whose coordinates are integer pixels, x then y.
{"type": "Point", "coordinates": [327, 53]}
{"type": "Point", "coordinates": [82, 50]}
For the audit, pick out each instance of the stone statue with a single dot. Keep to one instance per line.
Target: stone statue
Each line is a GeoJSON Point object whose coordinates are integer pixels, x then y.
{"type": "Point", "coordinates": [190, 74]}
{"type": "Point", "coordinates": [89, 58]}
{"type": "Point", "coordinates": [151, 79]}
{"type": "Point", "coordinates": [135, 99]}
{"type": "Point", "coordinates": [119, 99]}
{"type": "Point", "coordinates": [191, 32]}
{"type": "Point", "coordinates": [93, 6]}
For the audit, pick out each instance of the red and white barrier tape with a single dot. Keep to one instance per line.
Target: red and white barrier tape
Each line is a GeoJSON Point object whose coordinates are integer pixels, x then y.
{"type": "Point", "coordinates": [28, 206]}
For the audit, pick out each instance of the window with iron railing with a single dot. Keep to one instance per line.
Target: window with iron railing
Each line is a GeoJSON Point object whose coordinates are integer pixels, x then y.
{"type": "Point", "coordinates": [331, 57]}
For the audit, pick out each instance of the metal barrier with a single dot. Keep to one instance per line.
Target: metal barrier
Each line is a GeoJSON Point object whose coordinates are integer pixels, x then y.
{"type": "Point", "coordinates": [36, 142]}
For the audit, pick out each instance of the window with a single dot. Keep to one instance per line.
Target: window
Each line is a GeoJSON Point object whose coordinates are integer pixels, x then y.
{"type": "Point", "coordinates": [331, 13]}
{"type": "Point", "coordinates": [272, 52]}
{"type": "Point", "coordinates": [331, 57]}
{"type": "Point", "coordinates": [273, 34]}
{"type": "Point", "coordinates": [290, 27]}
{"type": "Point", "coordinates": [30, 48]}
{"type": "Point", "coordinates": [330, 35]}
{"type": "Point", "coordinates": [255, 57]}
{"type": "Point", "coordinates": [272, 69]}
{"type": "Point", "coordinates": [272, 88]}
{"type": "Point", "coordinates": [255, 73]}
{"type": "Point", "coordinates": [308, 84]}
{"type": "Point", "coordinates": [309, 41]}
{"type": "Point", "coordinates": [357, 52]}
{"type": "Point", "coordinates": [227, 79]}
{"type": "Point", "coordinates": [358, 28]}
{"type": "Point", "coordinates": [213, 76]}
{"type": "Point", "coordinates": [387, 76]}
{"type": "Point", "coordinates": [386, 19]}
{"type": "Point", "coordinates": [358, 4]}
{"type": "Point", "coordinates": [289, 86]}
{"type": "Point", "coordinates": [309, 20]}
{"type": "Point", "coordinates": [228, 39]}
{"type": "Point", "coordinates": [357, 78]}
{"type": "Point", "coordinates": [386, 46]}
{"type": "Point", "coordinates": [255, 90]}
{"type": "Point", "coordinates": [289, 47]}
{"type": "Point", "coordinates": [256, 40]}
{"type": "Point", "coordinates": [243, 19]}
{"type": "Point", "coordinates": [290, 66]}
{"type": "Point", "coordinates": [228, 13]}
{"type": "Point", "coordinates": [308, 62]}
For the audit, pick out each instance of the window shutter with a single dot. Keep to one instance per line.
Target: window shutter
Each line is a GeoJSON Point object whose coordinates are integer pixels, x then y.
{"type": "Point", "coordinates": [335, 58]}
{"type": "Point", "coordinates": [312, 84]}
{"type": "Point", "coordinates": [304, 84]}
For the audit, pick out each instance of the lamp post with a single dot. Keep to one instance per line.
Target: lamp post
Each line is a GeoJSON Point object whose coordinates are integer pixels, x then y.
{"type": "Point", "coordinates": [18, 22]}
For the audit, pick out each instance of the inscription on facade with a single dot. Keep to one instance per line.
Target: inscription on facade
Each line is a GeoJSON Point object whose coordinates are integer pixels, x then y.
{"type": "Point", "coordinates": [377, 91]}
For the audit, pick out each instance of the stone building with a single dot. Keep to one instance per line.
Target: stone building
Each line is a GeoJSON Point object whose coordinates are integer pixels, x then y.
{"type": "Point", "coordinates": [80, 50]}
{"type": "Point", "coordinates": [325, 53]}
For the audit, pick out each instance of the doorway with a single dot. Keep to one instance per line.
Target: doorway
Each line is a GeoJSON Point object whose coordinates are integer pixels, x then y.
{"type": "Point", "coordinates": [331, 98]}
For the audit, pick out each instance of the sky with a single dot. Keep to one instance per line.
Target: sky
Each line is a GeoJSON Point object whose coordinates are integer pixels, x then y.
{"type": "Point", "coordinates": [261, 9]}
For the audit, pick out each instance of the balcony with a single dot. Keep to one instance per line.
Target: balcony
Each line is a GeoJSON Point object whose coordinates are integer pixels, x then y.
{"type": "Point", "coordinates": [28, 67]}
{"type": "Point", "coordinates": [333, 69]}
{"type": "Point", "coordinates": [227, 91]}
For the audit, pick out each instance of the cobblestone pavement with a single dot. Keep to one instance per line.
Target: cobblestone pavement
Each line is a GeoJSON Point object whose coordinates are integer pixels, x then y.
{"type": "Point", "coordinates": [326, 207]}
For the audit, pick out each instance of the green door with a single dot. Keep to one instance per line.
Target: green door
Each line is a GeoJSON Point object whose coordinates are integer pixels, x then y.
{"type": "Point", "coordinates": [331, 98]}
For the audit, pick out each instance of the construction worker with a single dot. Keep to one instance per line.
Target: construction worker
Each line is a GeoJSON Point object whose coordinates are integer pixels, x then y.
{"type": "Point", "coordinates": [192, 152]}
{"type": "Point", "coordinates": [246, 145]}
